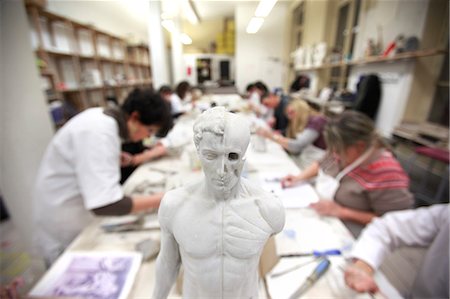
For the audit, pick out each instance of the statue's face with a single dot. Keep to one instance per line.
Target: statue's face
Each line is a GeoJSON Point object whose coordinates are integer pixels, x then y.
{"type": "Point", "coordinates": [222, 159]}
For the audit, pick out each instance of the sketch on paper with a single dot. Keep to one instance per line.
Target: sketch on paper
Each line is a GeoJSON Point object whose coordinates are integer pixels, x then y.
{"type": "Point", "coordinates": [88, 275]}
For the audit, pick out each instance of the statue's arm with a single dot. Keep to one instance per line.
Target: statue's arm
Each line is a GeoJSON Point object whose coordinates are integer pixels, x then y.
{"type": "Point", "coordinates": [168, 261]}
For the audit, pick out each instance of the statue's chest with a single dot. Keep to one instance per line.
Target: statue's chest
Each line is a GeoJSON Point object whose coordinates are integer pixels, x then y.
{"type": "Point", "coordinates": [234, 228]}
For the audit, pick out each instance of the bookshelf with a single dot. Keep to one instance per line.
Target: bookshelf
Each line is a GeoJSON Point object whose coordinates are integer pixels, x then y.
{"type": "Point", "coordinates": [82, 66]}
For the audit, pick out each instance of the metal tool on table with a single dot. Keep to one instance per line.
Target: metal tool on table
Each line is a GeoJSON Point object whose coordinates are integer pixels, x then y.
{"type": "Point", "coordinates": [123, 224]}
{"type": "Point", "coordinates": [316, 253]}
{"type": "Point", "coordinates": [320, 270]}
{"type": "Point", "coordinates": [277, 274]}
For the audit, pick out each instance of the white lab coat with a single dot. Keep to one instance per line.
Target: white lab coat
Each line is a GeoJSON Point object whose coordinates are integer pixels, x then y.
{"type": "Point", "coordinates": [176, 105]}
{"type": "Point", "coordinates": [262, 111]}
{"type": "Point", "coordinates": [79, 172]}
{"type": "Point", "coordinates": [424, 227]}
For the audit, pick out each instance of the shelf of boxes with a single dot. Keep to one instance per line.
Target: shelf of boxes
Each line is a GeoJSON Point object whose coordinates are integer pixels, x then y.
{"type": "Point", "coordinates": [82, 65]}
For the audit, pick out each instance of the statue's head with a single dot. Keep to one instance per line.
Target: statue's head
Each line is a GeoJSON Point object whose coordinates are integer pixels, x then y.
{"type": "Point", "coordinates": [221, 139]}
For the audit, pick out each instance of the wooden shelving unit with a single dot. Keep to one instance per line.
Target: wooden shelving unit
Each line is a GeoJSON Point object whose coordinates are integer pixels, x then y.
{"type": "Point", "coordinates": [377, 59]}
{"type": "Point", "coordinates": [82, 65]}
{"type": "Point", "coordinates": [338, 71]}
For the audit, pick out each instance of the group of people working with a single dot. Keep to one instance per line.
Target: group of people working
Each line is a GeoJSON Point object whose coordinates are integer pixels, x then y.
{"type": "Point", "coordinates": [356, 175]}
{"type": "Point", "coordinates": [358, 180]}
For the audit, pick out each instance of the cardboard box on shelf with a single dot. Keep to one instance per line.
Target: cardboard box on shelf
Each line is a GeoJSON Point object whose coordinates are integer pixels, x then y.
{"type": "Point", "coordinates": [40, 3]}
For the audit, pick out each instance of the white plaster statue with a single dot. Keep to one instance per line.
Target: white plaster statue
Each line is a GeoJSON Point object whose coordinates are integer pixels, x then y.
{"type": "Point", "coordinates": [216, 227]}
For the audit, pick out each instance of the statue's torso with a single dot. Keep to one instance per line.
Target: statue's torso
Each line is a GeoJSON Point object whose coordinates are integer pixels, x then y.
{"type": "Point", "coordinates": [220, 244]}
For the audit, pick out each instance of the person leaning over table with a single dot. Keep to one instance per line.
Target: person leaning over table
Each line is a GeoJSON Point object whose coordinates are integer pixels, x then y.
{"type": "Point", "coordinates": [136, 153]}
{"type": "Point", "coordinates": [426, 227]}
{"type": "Point", "coordinates": [173, 142]}
{"type": "Point", "coordinates": [257, 90]}
{"type": "Point", "coordinates": [359, 178]}
{"type": "Point", "coordinates": [276, 103]}
{"type": "Point", "coordinates": [80, 171]}
{"type": "Point", "coordinates": [304, 134]}
{"type": "Point", "coordinates": [180, 100]}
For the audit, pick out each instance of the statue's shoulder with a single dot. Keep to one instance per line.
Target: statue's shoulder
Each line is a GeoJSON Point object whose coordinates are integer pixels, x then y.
{"type": "Point", "coordinates": [270, 206]}
{"type": "Point", "coordinates": [177, 196]}
{"type": "Point", "coordinates": [172, 202]}
{"type": "Point", "coordinates": [256, 191]}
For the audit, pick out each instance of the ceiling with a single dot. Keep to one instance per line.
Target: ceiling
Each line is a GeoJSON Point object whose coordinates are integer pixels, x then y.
{"type": "Point", "coordinates": [211, 9]}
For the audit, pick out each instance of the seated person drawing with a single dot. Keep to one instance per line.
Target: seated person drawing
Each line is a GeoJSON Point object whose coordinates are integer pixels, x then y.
{"type": "Point", "coordinates": [359, 178]}
{"type": "Point", "coordinates": [216, 227]}
{"type": "Point", "coordinates": [304, 134]}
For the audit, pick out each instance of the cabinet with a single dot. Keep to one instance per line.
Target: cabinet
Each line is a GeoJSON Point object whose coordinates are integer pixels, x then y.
{"type": "Point", "coordinates": [82, 66]}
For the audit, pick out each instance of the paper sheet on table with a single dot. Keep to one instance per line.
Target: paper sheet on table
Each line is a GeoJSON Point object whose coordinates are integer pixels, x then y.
{"type": "Point", "coordinates": [102, 275]}
{"type": "Point", "coordinates": [299, 196]}
{"type": "Point", "coordinates": [307, 231]}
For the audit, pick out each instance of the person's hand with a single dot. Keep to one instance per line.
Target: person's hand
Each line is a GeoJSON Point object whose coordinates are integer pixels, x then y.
{"type": "Point", "coordinates": [125, 159]}
{"type": "Point", "coordinates": [264, 132]}
{"type": "Point", "coordinates": [271, 122]}
{"type": "Point", "coordinates": [11, 291]}
{"type": "Point", "coordinates": [160, 150]}
{"type": "Point", "coordinates": [327, 208]}
{"type": "Point", "coordinates": [289, 181]}
{"type": "Point", "coordinates": [360, 279]}
{"type": "Point", "coordinates": [254, 108]}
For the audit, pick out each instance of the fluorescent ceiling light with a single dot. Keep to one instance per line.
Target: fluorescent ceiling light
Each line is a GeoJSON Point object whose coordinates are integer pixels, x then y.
{"type": "Point", "coordinates": [185, 39]}
{"type": "Point", "coordinates": [254, 25]}
{"type": "Point", "coordinates": [169, 25]}
{"type": "Point", "coordinates": [264, 8]}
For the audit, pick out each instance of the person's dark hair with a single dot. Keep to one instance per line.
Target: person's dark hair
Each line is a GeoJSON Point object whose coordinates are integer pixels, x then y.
{"type": "Point", "coordinates": [152, 109]}
{"type": "Point", "coordinates": [182, 88]}
{"type": "Point", "coordinates": [249, 86]}
{"type": "Point", "coordinates": [165, 89]}
{"type": "Point", "coordinates": [262, 87]}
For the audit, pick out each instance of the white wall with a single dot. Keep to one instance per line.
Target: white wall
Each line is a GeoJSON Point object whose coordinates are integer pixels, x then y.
{"type": "Point", "coordinates": [260, 56]}
{"type": "Point", "coordinates": [178, 68]}
{"type": "Point", "coordinates": [158, 50]}
{"type": "Point", "coordinates": [396, 82]}
{"type": "Point", "coordinates": [395, 17]}
{"type": "Point", "coordinates": [25, 124]}
{"type": "Point", "coordinates": [126, 19]}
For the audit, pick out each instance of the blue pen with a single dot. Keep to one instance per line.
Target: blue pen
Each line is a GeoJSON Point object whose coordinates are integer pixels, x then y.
{"type": "Point", "coordinates": [321, 268]}
{"type": "Point", "coordinates": [327, 252]}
